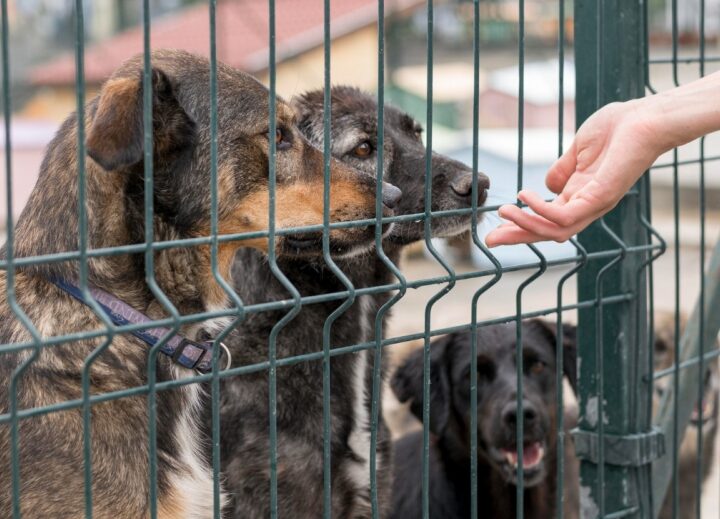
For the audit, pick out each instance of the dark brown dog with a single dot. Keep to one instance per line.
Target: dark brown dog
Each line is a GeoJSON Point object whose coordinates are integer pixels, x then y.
{"type": "Point", "coordinates": [50, 447]}
{"type": "Point", "coordinates": [703, 418]}
{"type": "Point", "coordinates": [245, 417]}
{"type": "Point", "coordinates": [497, 466]}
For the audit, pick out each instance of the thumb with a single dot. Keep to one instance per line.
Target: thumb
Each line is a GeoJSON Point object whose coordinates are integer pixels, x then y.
{"type": "Point", "coordinates": [561, 170]}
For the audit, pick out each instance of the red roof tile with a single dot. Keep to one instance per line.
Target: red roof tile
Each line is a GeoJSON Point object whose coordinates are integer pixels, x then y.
{"type": "Point", "coordinates": [242, 35]}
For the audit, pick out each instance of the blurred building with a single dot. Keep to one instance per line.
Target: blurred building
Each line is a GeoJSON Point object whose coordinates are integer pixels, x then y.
{"type": "Point", "coordinates": [242, 41]}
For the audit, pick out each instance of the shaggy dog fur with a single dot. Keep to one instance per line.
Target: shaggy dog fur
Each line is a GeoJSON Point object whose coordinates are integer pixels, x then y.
{"type": "Point", "coordinates": [50, 447]}
{"type": "Point", "coordinates": [245, 448]}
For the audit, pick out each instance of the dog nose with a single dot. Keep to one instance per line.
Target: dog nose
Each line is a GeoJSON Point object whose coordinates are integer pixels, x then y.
{"type": "Point", "coordinates": [462, 186]}
{"type": "Point", "coordinates": [390, 195]}
{"type": "Point", "coordinates": [510, 414]}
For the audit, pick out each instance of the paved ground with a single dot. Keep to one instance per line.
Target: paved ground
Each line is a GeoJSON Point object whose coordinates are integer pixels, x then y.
{"type": "Point", "coordinates": [499, 301]}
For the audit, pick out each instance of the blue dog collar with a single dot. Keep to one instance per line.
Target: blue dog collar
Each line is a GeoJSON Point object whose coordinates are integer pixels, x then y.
{"type": "Point", "coordinates": [187, 353]}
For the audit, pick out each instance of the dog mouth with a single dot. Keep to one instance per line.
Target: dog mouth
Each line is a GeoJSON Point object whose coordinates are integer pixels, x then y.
{"type": "Point", "coordinates": [303, 242]}
{"type": "Point", "coordinates": [311, 244]}
{"type": "Point", "coordinates": [441, 227]}
{"type": "Point", "coordinates": [705, 416]}
{"type": "Point", "coordinates": [705, 413]}
{"type": "Point", "coordinates": [533, 462]}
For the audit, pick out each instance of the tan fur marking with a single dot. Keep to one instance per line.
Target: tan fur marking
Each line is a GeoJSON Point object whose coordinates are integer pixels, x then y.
{"type": "Point", "coordinates": [296, 205]}
{"type": "Point", "coordinates": [171, 507]}
{"type": "Point", "coordinates": [299, 205]}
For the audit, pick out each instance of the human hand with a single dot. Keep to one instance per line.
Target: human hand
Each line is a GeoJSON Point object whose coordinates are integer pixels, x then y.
{"type": "Point", "coordinates": [611, 150]}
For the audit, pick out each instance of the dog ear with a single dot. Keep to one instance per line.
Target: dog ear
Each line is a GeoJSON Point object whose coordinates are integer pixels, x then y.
{"type": "Point", "coordinates": [569, 344]}
{"type": "Point", "coordinates": [407, 383]}
{"type": "Point", "coordinates": [308, 107]}
{"type": "Point", "coordinates": [116, 134]}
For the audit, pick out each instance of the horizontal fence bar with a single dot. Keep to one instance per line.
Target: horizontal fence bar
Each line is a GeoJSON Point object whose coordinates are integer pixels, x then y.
{"type": "Point", "coordinates": [224, 238]}
{"type": "Point", "coordinates": [288, 361]}
{"type": "Point", "coordinates": [307, 300]}
{"type": "Point", "coordinates": [687, 61]}
{"type": "Point", "coordinates": [665, 165]}
{"type": "Point", "coordinates": [685, 364]}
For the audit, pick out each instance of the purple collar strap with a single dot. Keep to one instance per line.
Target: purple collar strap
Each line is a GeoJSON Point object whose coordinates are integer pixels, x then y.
{"type": "Point", "coordinates": [187, 353]}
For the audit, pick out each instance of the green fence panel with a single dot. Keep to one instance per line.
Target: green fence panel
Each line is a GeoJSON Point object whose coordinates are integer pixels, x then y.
{"type": "Point", "coordinates": [625, 468]}
{"type": "Point", "coordinates": [694, 348]}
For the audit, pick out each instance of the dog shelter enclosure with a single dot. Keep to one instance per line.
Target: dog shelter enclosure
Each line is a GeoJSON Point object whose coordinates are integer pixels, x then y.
{"type": "Point", "coordinates": [628, 445]}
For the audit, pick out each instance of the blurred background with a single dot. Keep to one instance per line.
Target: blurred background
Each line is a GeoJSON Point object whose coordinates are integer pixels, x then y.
{"type": "Point", "coordinates": [42, 36]}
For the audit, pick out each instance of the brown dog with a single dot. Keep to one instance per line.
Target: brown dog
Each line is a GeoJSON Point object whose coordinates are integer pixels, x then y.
{"type": "Point", "coordinates": [50, 446]}
{"type": "Point", "coordinates": [703, 418]}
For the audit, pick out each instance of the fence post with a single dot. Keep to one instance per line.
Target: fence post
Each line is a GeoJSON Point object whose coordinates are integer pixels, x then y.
{"type": "Point", "coordinates": [612, 339]}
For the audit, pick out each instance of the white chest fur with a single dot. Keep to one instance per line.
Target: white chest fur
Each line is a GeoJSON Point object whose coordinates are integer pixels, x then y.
{"type": "Point", "coordinates": [359, 439]}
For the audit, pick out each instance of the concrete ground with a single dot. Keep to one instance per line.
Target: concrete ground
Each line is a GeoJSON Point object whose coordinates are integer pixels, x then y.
{"type": "Point", "coordinates": [499, 301]}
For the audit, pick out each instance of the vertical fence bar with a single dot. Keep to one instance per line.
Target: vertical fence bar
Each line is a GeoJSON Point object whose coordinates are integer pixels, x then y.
{"type": "Point", "coordinates": [676, 253]}
{"type": "Point", "coordinates": [217, 275]}
{"type": "Point", "coordinates": [326, 365]}
{"type": "Point", "coordinates": [10, 272]}
{"type": "Point", "coordinates": [375, 407]}
{"type": "Point", "coordinates": [332, 266]}
{"type": "Point", "coordinates": [147, 88]}
{"type": "Point", "coordinates": [427, 228]}
{"type": "Point", "coordinates": [473, 328]}
{"type": "Point", "coordinates": [519, 488]}
{"type": "Point", "coordinates": [496, 264]}
{"type": "Point", "coordinates": [609, 56]}
{"type": "Point", "coordinates": [701, 332]}
{"type": "Point", "coordinates": [82, 248]}
{"type": "Point", "coordinates": [274, 267]}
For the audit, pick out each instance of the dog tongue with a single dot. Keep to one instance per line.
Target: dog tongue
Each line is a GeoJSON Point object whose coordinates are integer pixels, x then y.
{"type": "Point", "coordinates": [532, 455]}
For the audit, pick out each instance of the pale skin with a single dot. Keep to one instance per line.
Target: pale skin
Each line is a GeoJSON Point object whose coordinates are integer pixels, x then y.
{"type": "Point", "coordinates": [611, 151]}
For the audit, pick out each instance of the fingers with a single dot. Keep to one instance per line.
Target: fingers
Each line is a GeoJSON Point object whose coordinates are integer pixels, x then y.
{"type": "Point", "coordinates": [559, 212]}
{"type": "Point", "coordinates": [561, 170]}
{"type": "Point", "coordinates": [527, 227]}
{"type": "Point", "coordinates": [533, 223]}
{"type": "Point", "coordinates": [510, 234]}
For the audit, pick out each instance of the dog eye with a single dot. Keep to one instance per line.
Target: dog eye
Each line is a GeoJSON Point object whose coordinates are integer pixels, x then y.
{"type": "Point", "coordinates": [282, 139]}
{"type": "Point", "coordinates": [362, 150]}
{"type": "Point", "coordinates": [536, 367]}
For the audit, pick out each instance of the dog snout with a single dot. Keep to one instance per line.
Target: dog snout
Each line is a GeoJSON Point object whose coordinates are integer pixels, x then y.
{"type": "Point", "coordinates": [462, 186]}
{"type": "Point", "coordinates": [510, 415]}
{"type": "Point", "coordinates": [390, 195]}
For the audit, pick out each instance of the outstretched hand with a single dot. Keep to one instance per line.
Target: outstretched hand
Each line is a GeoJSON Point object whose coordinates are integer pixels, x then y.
{"type": "Point", "coordinates": [611, 150]}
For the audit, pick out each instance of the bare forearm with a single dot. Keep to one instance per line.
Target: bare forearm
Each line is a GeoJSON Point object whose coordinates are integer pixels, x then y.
{"type": "Point", "coordinates": [685, 113]}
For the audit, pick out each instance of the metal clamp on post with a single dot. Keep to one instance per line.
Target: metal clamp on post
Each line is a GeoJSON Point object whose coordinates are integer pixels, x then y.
{"type": "Point", "coordinates": [632, 450]}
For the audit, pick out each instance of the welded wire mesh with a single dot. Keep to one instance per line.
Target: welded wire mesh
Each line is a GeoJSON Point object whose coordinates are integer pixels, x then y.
{"type": "Point", "coordinates": [612, 262]}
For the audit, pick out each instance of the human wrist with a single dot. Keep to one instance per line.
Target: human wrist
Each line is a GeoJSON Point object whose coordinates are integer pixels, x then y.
{"type": "Point", "coordinates": [684, 114]}
{"type": "Point", "coordinates": [648, 119]}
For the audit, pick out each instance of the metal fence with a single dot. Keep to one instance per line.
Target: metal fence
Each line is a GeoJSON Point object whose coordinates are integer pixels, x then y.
{"type": "Point", "coordinates": [627, 462]}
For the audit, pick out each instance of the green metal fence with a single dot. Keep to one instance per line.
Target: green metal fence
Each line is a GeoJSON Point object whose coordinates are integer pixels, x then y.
{"type": "Point", "coordinates": [627, 461]}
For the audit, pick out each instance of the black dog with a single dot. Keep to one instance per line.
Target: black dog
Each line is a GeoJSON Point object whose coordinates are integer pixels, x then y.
{"type": "Point", "coordinates": [244, 412]}
{"type": "Point", "coordinates": [496, 423]}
